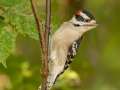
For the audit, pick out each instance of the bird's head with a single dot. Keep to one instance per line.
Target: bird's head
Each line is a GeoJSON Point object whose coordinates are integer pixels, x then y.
{"type": "Point", "coordinates": [84, 19]}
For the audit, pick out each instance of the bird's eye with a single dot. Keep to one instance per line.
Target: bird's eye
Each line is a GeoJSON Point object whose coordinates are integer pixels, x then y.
{"type": "Point", "coordinates": [87, 20]}
{"type": "Point", "coordinates": [79, 18]}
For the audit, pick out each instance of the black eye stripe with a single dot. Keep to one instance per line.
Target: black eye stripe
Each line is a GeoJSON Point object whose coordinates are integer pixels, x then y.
{"type": "Point", "coordinates": [79, 18]}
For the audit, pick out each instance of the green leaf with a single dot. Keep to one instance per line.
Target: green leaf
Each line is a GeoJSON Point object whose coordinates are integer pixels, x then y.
{"type": "Point", "coordinates": [16, 19]}
{"type": "Point", "coordinates": [11, 2]}
{"type": "Point", "coordinates": [19, 14]}
{"type": "Point", "coordinates": [24, 25]}
{"type": "Point", "coordinates": [7, 43]}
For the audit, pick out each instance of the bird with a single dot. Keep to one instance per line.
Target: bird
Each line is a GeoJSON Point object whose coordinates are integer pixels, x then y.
{"type": "Point", "coordinates": [65, 42]}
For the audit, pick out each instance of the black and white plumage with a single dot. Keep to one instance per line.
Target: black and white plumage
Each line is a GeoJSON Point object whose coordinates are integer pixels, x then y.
{"type": "Point", "coordinates": [65, 42]}
{"type": "Point", "coordinates": [72, 51]}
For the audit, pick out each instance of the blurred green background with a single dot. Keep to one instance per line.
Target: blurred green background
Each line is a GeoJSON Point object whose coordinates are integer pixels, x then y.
{"type": "Point", "coordinates": [97, 65]}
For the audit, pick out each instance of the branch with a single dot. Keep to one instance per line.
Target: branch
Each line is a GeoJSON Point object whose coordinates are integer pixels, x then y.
{"type": "Point", "coordinates": [44, 39]}
{"type": "Point", "coordinates": [37, 22]}
{"type": "Point", "coordinates": [42, 43]}
{"type": "Point", "coordinates": [47, 34]}
{"type": "Point", "coordinates": [47, 28]}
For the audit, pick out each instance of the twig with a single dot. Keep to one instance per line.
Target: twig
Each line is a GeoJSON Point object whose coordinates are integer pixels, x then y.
{"type": "Point", "coordinates": [47, 28]}
{"type": "Point", "coordinates": [46, 34]}
{"type": "Point", "coordinates": [41, 37]}
{"type": "Point", "coordinates": [44, 39]}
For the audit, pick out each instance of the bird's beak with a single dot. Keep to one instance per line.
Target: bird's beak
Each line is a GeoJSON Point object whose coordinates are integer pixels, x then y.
{"type": "Point", "coordinates": [92, 23]}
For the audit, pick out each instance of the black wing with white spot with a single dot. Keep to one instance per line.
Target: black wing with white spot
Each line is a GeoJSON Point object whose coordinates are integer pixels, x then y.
{"type": "Point", "coordinates": [72, 51]}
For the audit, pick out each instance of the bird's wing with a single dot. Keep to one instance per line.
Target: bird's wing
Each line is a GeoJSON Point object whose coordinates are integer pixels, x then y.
{"type": "Point", "coordinates": [73, 49]}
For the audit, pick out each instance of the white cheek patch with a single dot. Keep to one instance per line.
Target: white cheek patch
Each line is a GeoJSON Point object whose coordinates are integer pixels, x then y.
{"type": "Point", "coordinates": [77, 22]}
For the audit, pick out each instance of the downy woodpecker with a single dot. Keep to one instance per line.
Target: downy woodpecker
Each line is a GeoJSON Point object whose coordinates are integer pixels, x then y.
{"type": "Point", "coordinates": [65, 43]}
